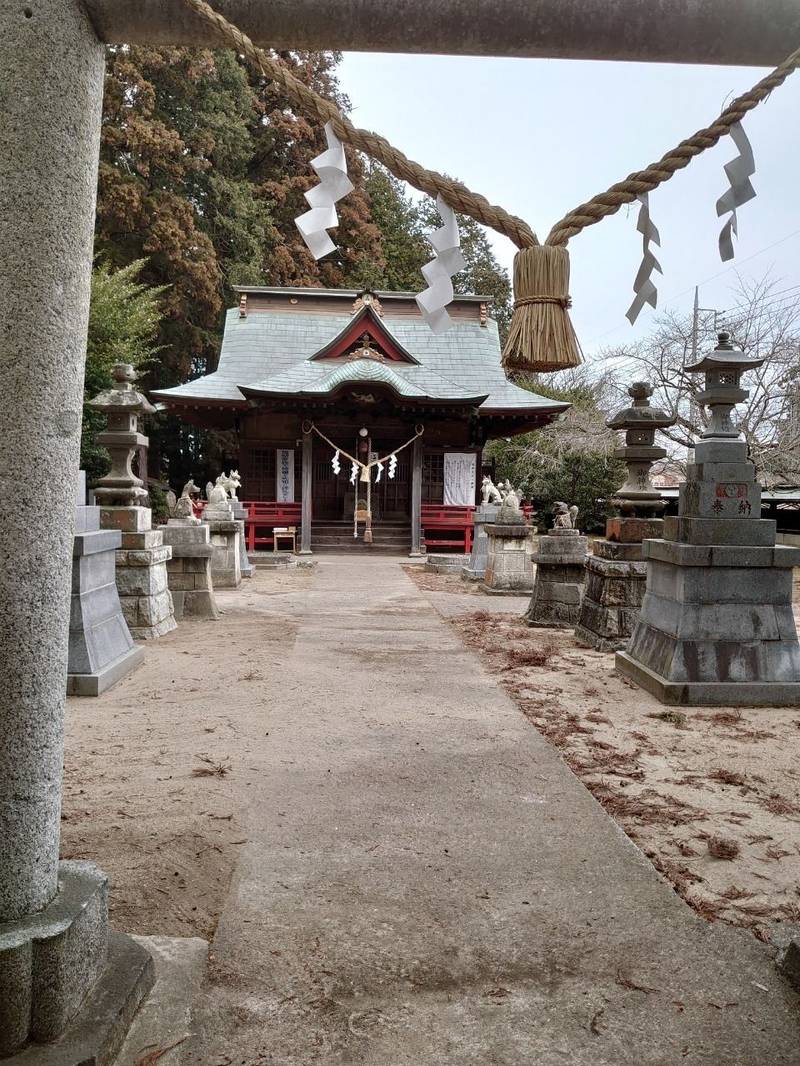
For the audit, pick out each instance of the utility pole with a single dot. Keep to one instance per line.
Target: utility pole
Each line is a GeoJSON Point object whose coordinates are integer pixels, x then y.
{"type": "Point", "coordinates": [695, 410]}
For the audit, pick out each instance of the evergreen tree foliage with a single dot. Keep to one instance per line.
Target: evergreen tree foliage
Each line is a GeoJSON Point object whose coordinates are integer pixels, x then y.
{"type": "Point", "coordinates": [124, 320]}
{"type": "Point", "coordinates": [203, 167]}
{"type": "Point", "coordinates": [570, 460]}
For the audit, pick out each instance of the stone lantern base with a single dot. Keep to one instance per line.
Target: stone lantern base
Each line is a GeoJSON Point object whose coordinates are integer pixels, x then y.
{"type": "Point", "coordinates": [101, 649]}
{"type": "Point", "coordinates": [142, 572]}
{"type": "Point", "coordinates": [509, 569]}
{"type": "Point", "coordinates": [614, 584]}
{"type": "Point", "coordinates": [560, 568]}
{"type": "Point", "coordinates": [716, 625]}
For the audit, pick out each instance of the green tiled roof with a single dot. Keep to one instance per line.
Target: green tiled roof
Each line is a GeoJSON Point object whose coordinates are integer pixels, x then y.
{"type": "Point", "coordinates": [271, 353]}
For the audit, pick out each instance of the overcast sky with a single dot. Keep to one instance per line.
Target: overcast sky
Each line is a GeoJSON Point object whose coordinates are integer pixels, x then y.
{"type": "Point", "coordinates": [540, 137]}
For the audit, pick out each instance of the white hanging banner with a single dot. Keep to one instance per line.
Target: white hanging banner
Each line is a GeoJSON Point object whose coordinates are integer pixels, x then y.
{"type": "Point", "coordinates": [438, 272]}
{"type": "Point", "coordinates": [284, 475]}
{"type": "Point", "coordinates": [739, 171]}
{"type": "Point", "coordinates": [459, 479]}
{"type": "Point", "coordinates": [331, 168]}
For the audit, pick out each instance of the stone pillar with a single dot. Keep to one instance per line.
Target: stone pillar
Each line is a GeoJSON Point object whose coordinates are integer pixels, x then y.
{"type": "Point", "coordinates": [616, 571]}
{"type": "Point", "coordinates": [142, 572]}
{"type": "Point", "coordinates": [560, 561]}
{"type": "Point", "coordinates": [189, 569]}
{"type": "Point", "coordinates": [307, 474]}
{"type": "Point", "coordinates": [716, 625]}
{"type": "Point", "coordinates": [101, 649]}
{"type": "Point", "coordinates": [416, 499]}
{"type": "Point", "coordinates": [240, 514]}
{"type": "Point", "coordinates": [482, 516]}
{"type": "Point", "coordinates": [509, 561]}
{"type": "Point", "coordinates": [226, 532]}
{"type": "Point", "coordinates": [52, 917]}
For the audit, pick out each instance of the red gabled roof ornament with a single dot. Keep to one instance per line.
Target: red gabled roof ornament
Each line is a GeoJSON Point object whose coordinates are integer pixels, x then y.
{"type": "Point", "coordinates": [364, 330]}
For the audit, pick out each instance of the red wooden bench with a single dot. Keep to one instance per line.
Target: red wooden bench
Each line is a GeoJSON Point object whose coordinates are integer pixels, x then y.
{"type": "Point", "coordinates": [263, 517]}
{"type": "Point", "coordinates": [441, 518]}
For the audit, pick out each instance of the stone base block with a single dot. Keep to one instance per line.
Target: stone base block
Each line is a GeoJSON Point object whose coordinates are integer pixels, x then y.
{"type": "Point", "coordinates": [95, 683]}
{"type": "Point", "coordinates": [98, 1031]}
{"type": "Point", "coordinates": [50, 961]}
{"type": "Point", "coordinates": [101, 649]}
{"type": "Point", "coordinates": [553, 615]}
{"type": "Point", "coordinates": [709, 694]}
{"type": "Point", "coordinates": [128, 519]}
{"type": "Point", "coordinates": [240, 514]}
{"type": "Point", "coordinates": [509, 564]}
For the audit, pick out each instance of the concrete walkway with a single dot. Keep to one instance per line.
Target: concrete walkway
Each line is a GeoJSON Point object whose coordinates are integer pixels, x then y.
{"type": "Point", "coordinates": [425, 882]}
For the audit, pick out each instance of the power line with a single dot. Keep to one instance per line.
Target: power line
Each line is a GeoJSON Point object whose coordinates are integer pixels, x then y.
{"type": "Point", "coordinates": [705, 281]}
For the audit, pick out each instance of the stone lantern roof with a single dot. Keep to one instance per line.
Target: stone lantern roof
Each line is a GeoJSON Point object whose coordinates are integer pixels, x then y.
{"type": "Point", "coordinates": [725, 357]}
{"type": "Point", "coordinates": [640, 415]}
{"type": "Point", "coordinates": [122, 397]}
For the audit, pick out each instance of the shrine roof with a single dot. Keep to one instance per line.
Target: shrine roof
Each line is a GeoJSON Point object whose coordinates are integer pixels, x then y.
{"type": "Point", "coordinates": [276, 352]}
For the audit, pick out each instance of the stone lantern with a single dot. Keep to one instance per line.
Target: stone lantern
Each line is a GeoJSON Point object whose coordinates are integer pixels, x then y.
{"type": "Point", "coordinates": [141, 561]}
{"type": "Point", "coordinates": [716, 623]}
{"type": "Point", "coordinates": [616, 571]}
{"type": "Point", "coordinates": [639, 422]}
{"type": "Point", "coordinates": [723, 369]}
{"type": "Point", "coordinates": [122, 405]}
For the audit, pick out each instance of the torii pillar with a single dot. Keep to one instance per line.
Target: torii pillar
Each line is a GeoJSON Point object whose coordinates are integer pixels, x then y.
{"type": "Point", "coordinates": [56, 954]}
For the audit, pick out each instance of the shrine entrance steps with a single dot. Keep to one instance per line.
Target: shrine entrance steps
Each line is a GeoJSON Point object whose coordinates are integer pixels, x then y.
{"type": "Point", "coordinates": [389, 537]}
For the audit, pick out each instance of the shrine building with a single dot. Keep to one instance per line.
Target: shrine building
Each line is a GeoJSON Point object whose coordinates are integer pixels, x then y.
{"type": "Point", "coordinates": [305, 373]}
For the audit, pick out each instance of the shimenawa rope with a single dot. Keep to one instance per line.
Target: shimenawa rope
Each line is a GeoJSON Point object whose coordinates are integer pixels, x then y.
{"type": "Point", "coordinates": [541, 337]}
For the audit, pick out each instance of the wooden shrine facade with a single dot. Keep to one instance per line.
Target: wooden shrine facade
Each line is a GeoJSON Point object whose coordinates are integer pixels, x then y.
{"type": "Point", "coordinates": [300, 368]}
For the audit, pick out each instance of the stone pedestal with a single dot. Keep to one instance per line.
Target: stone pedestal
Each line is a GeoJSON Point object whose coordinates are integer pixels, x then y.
{"type": "Point", "coordinates": [614, 584]}
{"type": "Point", "coordinates": [141, 572]}
{"type": "Point", "coordinates": [509, 566]}
{"type": "Point", "coordinates": [716, 625]}
{"type": "Point", "coordinates": [226, 533]}
{"type": "Point", "coordinates": [189, 569]}
{"type": "Point", "coordinates": [560, 568]}
{"type": "Point", "coordinates": [101, 649]}
{"type": "Point", "coordinates": [482, 516]}
{"type": "Point", "coordinates": [240, 514]}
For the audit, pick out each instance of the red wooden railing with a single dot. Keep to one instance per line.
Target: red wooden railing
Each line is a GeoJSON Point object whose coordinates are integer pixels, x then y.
{"type": "Point", "coordinates": [447, 519]}
{"type": "Point", "coordinates": [263, 517]}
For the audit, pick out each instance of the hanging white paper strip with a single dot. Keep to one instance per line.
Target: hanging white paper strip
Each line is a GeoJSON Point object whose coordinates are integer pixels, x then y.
{"type": "Point", "coordinates": [353, 473]}
{"type": "Point", "coordinates": [439, 271]}
{"type": "Point", "coordinates": [392, 465]}
{"type": "Point", "coordinates": [740, 170]}
{"type": "Point", "coordinates": [337, 466]}
{"type": "Point", "coordinates": [331, 168]}
{"type": "Point", "coordinates": [645, 291]}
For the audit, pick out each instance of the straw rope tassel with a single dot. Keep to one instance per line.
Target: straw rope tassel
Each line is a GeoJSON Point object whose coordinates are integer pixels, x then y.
{"type": "Point", "coordinates": [541, 338]}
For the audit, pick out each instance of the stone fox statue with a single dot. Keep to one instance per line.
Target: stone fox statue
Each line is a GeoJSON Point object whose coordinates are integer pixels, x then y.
{"type": "Point", "coordinates": [218, 493]}
{"type": "Point", "coordinates": [183, 507]}
{"type": "Point", "coordinates": [490, 492]}
{"type": "Point", "coordinates": [565, 517]}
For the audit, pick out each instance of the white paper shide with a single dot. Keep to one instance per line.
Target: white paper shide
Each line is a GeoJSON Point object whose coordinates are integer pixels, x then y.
{"type": "Point", "coordinates": [331, 169]}
{"type": "Point", "coordinates": [438, 273]}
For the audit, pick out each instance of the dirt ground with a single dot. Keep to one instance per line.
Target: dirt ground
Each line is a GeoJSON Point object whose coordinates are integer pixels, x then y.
{"type": "Point", "coordinates": [157, 770]}
{"type": "Point", "coordinates": [712, 796]}
{"type": "Point", "coordinates": [156, 788]}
